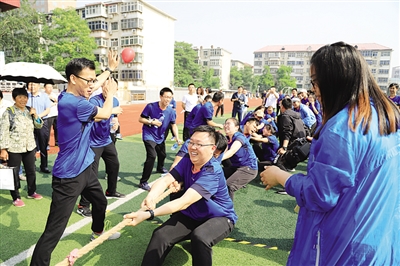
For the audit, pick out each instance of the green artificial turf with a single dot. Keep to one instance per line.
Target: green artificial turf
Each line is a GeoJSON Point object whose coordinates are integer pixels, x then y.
{"type": "Point", "coordinates": [265, 218]}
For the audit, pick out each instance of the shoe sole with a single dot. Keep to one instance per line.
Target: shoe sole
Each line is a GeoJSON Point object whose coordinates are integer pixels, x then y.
{"type": "Point", "coordinates": [114, 197]}
{"type": "Point", "coordinates": [29, 197]}
{"type": "Point", "coordinates": [83, 214]}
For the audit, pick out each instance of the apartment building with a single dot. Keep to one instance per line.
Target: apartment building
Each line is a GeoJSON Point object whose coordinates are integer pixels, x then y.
{"type": "Point", "coordinates": [47, 6]}
{"type": "Point", "coordinates": [219, 60]}
{"type": "Point", "coordinates": [298, 57]}
{"type": "Point", "coordinates": [146, 29]}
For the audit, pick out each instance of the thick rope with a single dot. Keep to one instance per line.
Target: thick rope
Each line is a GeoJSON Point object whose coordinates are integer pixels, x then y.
{"type": "Point", "coordinates": [75, 254]}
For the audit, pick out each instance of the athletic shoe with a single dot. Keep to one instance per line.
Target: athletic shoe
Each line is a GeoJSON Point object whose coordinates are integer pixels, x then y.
{"type": "Point", "coordinates": [18, 203]}
{"type": "Point", "coordinates": [35, 196]}
{"type": "Point", "coordinates": [22, 177]}
{"type": "Point", "coordinates": [116, 195]}
{"type": "Point", "coordinates": [118, 178]}
{"type": "Point", "coordinates": [118, 136]}
{"type": "Point", "coordinates": [282, 192]}
{"type": "Point", "coordinates": [144, 186]}
{"type": "Point", "coordinates": [162, 171]}
{"type": "Point", "coordinates": [112, 237]}
{"type": "Point", "coordinates": [173, 138]}
{"type": "Point", "coordinates": [84, 211]}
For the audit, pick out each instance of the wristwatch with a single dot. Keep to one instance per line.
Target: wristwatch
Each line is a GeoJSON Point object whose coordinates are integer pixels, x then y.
{"type": "Point", "coordinates": [284, 148]}
{"type": "Point", "coordinates": [109, 70]}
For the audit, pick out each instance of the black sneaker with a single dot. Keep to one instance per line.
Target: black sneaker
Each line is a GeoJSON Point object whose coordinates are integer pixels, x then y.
{"type": "Point", "coordinates": [144, 186]}
{"type": "Point", "coordinates": [116, 195]}
{"type": "Point", "coordinates": [162, 171]}
{"type": "Point", "coordinates": [84, 211]}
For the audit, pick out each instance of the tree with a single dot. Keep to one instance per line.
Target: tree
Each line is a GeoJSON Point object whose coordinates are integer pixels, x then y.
{"type": "Point", "coordinates": [235, 77]}
{"type": "Point", "coordinates": [20, 34]}
{"type": "Point", "coordinates": [208, 79]}
{"type": "Point", "coordinates": [284, 79]}
{"type": "Point", "coordinates": [185, 69]}
{"type": "Point", "coordinates": [266, 79]}
{"type": "Point", "coordinates": [247, 78]}
{"type": "Point", "coordinates": [66, 36]}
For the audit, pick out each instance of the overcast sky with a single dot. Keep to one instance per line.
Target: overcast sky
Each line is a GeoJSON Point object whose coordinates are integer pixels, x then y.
{"type": "Point", "coordinates": [242, 27]}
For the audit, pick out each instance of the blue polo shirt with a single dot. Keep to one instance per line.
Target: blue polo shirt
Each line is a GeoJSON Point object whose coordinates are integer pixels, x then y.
{"type": "Point", "coordinates": [40, 102]}
{"type": "Point", "coordinates": [100, 133]}
{"type": "Point", "coordinates": [75, 120]}
{"type": "Point", "coordinates": [245, 156]}
{"type": "Point", "coordinates": [395, 99]}
{"type": "Point", "coordinates": [191, 116]}
{"type": "Point", "coordinates": [153, 111]}
{"type": "Point", "coordinates": [204, 114]}
{"type": "Point", "coordinates": [210, 183]}
{"type": "Point", "coordinates": [269, 149]}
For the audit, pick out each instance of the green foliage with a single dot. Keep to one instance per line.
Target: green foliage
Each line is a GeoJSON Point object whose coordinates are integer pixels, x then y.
{"type": "Point", "coordinates": [266, 79]}
{"type": "Point", "coordinates": [235, 77]}
{"type": "Point", "coordinates": [66, 36]}
{"type": "Point", "coordinates": [185, 69]}
{"type": "Point", "coordinates": [208, 79]}
{"type": "Point", "coordinates": [247, 77]}
{"type": "Point", "coordinates": [284, 79]}
{"type": "Point", "coordinates": [20, 34]}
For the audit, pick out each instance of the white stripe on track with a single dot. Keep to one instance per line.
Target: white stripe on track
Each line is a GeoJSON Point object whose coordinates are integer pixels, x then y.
{"type": "Point", "coordinates": [72, 228]}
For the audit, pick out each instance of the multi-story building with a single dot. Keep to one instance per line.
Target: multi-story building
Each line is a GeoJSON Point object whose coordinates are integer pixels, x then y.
{"type": "Point", "coordinates": [146, 29]}
{"type": "Point", "coordinates": [47, 6]}
{"type": "Point", "coordinates": [298, 57]}
{"type": "Point", "coordinates": [219, 60]}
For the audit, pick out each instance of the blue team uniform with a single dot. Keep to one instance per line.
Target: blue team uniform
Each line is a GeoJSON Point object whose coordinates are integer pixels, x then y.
{"type": "Point", "coordinates": [204, 114]}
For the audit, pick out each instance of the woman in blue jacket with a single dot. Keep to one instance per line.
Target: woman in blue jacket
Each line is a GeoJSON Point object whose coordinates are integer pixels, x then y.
{"type": "Point", "coordinates": [350, 197]}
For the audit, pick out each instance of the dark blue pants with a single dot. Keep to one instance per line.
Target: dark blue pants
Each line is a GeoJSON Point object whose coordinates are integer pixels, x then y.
{"type": "Point", "coordinates": [203, 236]}
{"type": "Point", "coordinates": [238, 112]}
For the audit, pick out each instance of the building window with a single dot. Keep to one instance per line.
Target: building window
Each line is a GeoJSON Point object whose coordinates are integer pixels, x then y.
{"type": "Point", "coordinates": [299, 63]}
{"type": "Point", "coordinates": [373, 71]}
{"type": "Point", "coordinates": [98, 25]}
{"type": "Point", "coordinates": [371, 62]}
{"type": "Point", "coordinates": [384, 62]}
{"type": "Point", "coordinates": [273, 54]}
{"type": "Point", "coordinates": [257, 71]}
{"type": "Point", "coordinates": [83, 13]}
{"type": "Point", "coordinates": [299, 55]}
{"type": "Point", "coordinates": [97, 57]}
{"type": "Point", "coordinates": [205, 53]}
{"type": "Point", "coordinates": [138, 58]}
{"type": "Point", "coordinates": [215, 52]}
{"type": "Point", "coordinates": [383, 71]}
{"type": "Point", "coordinates": [385, 53]}
{"type": "Point", "coordinates": [114, 42]}
{"type": "Point", "coordinates": [101, 42]}
{"type": "Point", "coordinates": [258, 55]}
{"type": "Point", "coordinates": [128, 74]}
{"type": "Point", "coordinates": [131, 7]}
{"type": "Point", "coordinates": [382, 80]}
{"type": "Point", "coordinates": [216, 72]}
{"type": "Point", "coordinates": [214, 62]}
{"type": "Point", "coordinates": [131, 40]}
{"type": "Point", "coordinates": [114, 25]}
{"type": "Point", "coordinates": [259, 63]}
{"type": "Point", "coordinates": [112, 9]}
{"type": "Point", "coordinates": [291, 54]}
{"type": "Point", "coordinates": [291, 63]}
{"type": "Point", "coordinates": [93, 10]}
{"type": "Point", "coordinates": [205, 63]}
{"type": "Point", "coordinates": [273, 70]}
{"type": "Point", "coordinates": [299, 78]}
{"type": "Point", "coordinates": [132, 23]}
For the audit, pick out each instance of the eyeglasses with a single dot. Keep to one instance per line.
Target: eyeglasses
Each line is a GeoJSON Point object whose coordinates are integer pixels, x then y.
{"type": "Point", "coordinates": [198, 145]}
{"type": "Point", "coordinates": [312, 83]}
{"type": "Point", "coordinates": [89, 82]}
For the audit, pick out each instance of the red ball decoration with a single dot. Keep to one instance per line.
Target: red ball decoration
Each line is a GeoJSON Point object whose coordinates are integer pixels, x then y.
{"type": "Point", "coordinates": [128, 55]}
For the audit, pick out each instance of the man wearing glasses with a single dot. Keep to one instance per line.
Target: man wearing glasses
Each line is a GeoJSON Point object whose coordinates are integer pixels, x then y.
{"type": "Point", "coordinates": [156, 118]}
{"type": "Point", "coordinates": [73, 172]}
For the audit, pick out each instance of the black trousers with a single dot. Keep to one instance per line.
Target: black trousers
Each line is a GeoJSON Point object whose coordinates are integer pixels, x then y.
{"type": "Point", "coordinates": [65, 194]}
{"type": "Point", "coordinates": [238, 112]}
{"type": "Point", "coordinates": [153, 150]}
{"type": "Point", "coordinates": [203, 236]}
{"type": "Point", "coordinates": [220, 108]}
{"type": "Point", "coordinates": [28, 159]}
{"type": "Point", "coordinates": [110, 157]}
{"type": "Point", "coordinates": [186, 131]}
{"type": "Point", "coordinates": [52, 122]}
{"type": "Point", "coordinates": [42, 140]}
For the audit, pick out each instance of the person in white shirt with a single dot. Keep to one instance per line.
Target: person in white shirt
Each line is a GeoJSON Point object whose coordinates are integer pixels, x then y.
{"type": "Point", "coordinates": [188, 102]}
{"type": "Point", "coordinates": [4, 103]}
{"type": "Point", "coordinates": [52, 116]}
{"type": "Point", "coordinates": [271, 98]}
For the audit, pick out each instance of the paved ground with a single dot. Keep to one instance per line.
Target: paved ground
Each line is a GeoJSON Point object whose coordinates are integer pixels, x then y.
{"type": "Point", "coordinates": [130, 116]}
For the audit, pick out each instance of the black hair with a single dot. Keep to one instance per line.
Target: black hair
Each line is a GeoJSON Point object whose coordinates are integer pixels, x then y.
{"type": "Point", "coordinates": [191, 84]}
{"type": "Point", "coordinates": [222, 142]}
{"type": "Point", "coordinates": [344, 79]}
{"type": "Point", "coordinates": [270, 127]}
{"type": "Point", "coordinates": [207, 98]}
{"type": "Point", "coordinates": [19, 91]}
{"type": "Point", "coordinates": [76, 65]}
{"type": "Point", "coordinates": [218, 96]}
{"type": "Point", "coordinates": [287, 103]}
{"type": "Point", "coordinates": [164, 90]}
{"type": "Point", "coordinates": [252, 119]}
{"type": "Point", "coordinates": [208, 129]}
{"type": "Point", "coordinates": [1, 95]}
{"type": "Point", "coordinates": [394, 85]}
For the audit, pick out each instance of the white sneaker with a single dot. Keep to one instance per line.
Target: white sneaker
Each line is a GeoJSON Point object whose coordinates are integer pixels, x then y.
{"type": "Point", "coordinates": [112, 237]}
{"type": "Point", "coordinates": [22, 177]}
{"type": "Point", "coordinates": [119, 178]}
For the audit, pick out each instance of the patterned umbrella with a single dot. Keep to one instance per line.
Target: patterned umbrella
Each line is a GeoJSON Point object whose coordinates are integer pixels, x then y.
{"type": "Point", "coordinates": [31, 72]}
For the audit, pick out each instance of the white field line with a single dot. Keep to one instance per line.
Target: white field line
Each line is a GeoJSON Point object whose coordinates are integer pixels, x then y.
{"type": "Point", "coordinates": [72, 228]}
